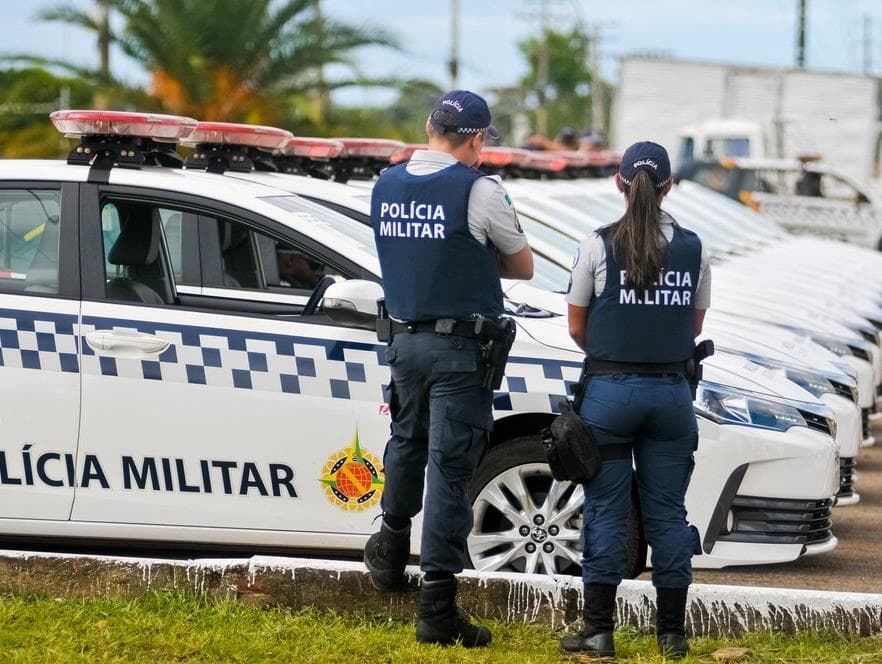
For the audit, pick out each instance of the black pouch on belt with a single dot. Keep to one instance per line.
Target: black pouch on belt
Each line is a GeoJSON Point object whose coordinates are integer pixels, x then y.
{"type": "Point", "coordinates": [570, 447]}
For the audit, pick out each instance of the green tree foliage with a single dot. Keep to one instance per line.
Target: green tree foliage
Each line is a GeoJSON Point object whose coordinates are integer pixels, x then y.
{"type": "Point", "coordinates": [237, 61]}
{"type": "Point", "coordinates": [259, 61]}
{"type": "Point", "coordinates": [29, 95]}
{"type": "Point", "coordinates": [567, 86]}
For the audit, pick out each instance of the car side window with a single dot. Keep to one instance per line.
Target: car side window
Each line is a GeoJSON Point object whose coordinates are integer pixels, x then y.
{"type": "Point", "coordinates": [134, 261]}
{"type": "Point", "coordinates": [243, 258]}
{"type": "Point", "coordinates": [29, 235]}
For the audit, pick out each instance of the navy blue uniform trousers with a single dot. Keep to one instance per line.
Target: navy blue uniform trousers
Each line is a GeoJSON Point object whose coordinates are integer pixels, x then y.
{"type": "Point", "coordinates": [441, 416]}
{"type": "Point", "coordinates": [655, 415]}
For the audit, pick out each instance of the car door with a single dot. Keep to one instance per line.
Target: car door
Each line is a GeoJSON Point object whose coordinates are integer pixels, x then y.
{"type": "Point", "coordinates": [212, 404]}
{"type": "Point", "coordinates": [39, 358]}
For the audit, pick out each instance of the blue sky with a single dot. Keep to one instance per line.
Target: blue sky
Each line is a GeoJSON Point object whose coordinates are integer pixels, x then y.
{"type": "Point", "coordinates": [760, 32]}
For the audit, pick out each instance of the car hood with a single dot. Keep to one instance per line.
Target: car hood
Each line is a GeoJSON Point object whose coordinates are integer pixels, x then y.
{"type": "Point", "coordinates": [722, 367]}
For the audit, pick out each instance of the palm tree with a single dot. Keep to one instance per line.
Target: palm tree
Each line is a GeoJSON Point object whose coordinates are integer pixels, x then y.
{"type": "Point", "coordinates": [237, 59]}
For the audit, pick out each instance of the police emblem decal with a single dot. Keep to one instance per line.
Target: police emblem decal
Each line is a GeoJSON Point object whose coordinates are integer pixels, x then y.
{"type": "Point", "coordinates": [352, 478]}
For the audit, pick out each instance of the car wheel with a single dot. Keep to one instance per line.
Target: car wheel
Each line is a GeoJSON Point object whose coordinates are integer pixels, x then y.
{"type": "Point", "coordinates": [526, 521]}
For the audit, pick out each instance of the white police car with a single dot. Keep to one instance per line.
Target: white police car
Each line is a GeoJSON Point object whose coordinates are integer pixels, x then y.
{"type": "Point", "coordinates": [164, 382]}
{"type": "Point", "coordinates": [549, 277]}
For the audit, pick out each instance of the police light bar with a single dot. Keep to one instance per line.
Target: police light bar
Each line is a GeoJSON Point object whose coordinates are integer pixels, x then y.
{"type": "Point", "coordinates": [504, 157]}
{"type": "Point", "coordinates": [573, 158]}
{"type": "Point", "coordinates": [604, 158]}
{"type": "Point", "coordinates": [312, 148]}
{"type": "Point", "coordinates": [406, 152]}
{"type": "Point", "coordinates": [551, 162]}
{"type": "Point", "coordinates": [231, 133]}
{"type": "Point", "coordinates": [155, 126]}
{"type": "Point", "coordinates": [372, 148]}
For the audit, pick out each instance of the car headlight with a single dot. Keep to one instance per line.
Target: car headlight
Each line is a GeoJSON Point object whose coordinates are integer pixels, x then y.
{"type": "Point", "coordinates": [812, 383]}
{"type": "Point", "coordinates": [833, 345]}
{"type": "Point", "coordinates": [730, 405]}
{"type": "Point", "coordinates": [815, 383]}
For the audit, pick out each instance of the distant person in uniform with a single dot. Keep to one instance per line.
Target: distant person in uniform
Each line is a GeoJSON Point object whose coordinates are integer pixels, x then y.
{"type": "Point", "coordinates": [566, 139]}
{"type": "Point", "coordinates": [296, 269]}
{"type": "Point", "coordinates": [639, 291]}
{"type": "Point", "coordinates": [809, 184]}
{"type": "Point", "coordinates": [592, 140]}
{"type": "Point", "coordinates": [445, 234]}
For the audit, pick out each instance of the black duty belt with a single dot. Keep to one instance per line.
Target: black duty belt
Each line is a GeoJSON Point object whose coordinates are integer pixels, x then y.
{"type": "Point", "coordinates": [471, 329]}
{"type": "Point", "coordinates": [639, 368]}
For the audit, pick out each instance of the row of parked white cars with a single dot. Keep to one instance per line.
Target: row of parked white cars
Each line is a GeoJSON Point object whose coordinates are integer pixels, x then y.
{"type": "Point", "coordinates": [168, 382]}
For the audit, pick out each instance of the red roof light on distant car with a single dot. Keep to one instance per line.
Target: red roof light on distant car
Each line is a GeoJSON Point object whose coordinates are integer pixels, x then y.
{"type": "Point", "coordinates": [406, 152]}
{"type": "Point", "coordinates": [313, 148]}
{"type": "Point", "coordinates": [502, 157]}
{"type": "Point", "coordinates": [376, 148]}
{"type": "Point", "coordinates": [231, 133]}
{"type": "Point", "coordinates": [156, 126]}
{"type": "Point", "coordinates": [545, 161]}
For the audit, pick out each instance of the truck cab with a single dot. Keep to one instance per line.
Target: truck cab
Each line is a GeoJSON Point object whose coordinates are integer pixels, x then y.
{"type": "Point", "coordinates": [720, 139]}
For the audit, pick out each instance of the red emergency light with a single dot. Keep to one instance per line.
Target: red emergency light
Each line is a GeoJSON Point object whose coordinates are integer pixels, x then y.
{"type": "Point", "coordinates": [231, 133]}
{"type": "Point", "coordinates": [406, 152]}
{"type": "Point", "coordinates": [155, 126]}
{"type": "Point", "coordinates": [504, 157]}
{"type": "Point", "coordinates": [373, 148]}
{"type": "Point", "coordinates": [545, 161]}
{"type": "Point", "coordinates": [312, 148]}
{"type": "Point", "coordinates": [604, 158]}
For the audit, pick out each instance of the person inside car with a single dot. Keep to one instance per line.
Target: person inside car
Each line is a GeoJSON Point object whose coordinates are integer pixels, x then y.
{"type": "Point", "coordinates": [297, 270]}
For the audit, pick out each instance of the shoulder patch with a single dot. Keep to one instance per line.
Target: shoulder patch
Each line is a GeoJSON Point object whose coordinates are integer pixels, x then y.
{"type": "Point", "coordinates": [508, 199]}
{"type": "Point", "coordinates": [517, 222]}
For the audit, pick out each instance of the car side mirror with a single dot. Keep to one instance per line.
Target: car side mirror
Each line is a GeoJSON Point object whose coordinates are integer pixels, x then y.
{"type": "Point", "coordinates": [353, 303]}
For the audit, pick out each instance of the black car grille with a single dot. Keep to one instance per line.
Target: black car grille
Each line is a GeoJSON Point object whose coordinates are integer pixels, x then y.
{"type": "Point", "coordinates": [865, 422]}
{"type": "Point", "coordinates": [779, 521]}
{"type": "Point", "coordinates": [817, 422]}
{"type": "Point", "coordinates": [846, 477]}
{"type": "Point", "coordinates": [844, 390]}
{"type": "Point", "coordinates": [861, 353]}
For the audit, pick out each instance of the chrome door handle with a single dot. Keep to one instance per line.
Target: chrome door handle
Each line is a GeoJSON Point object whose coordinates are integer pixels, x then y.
{"type": "Point", "coordinates": [126, 344]}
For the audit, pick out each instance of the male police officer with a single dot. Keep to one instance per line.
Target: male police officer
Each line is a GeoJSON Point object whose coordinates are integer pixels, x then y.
{"type": "Point", "coordinates": [445, 234]}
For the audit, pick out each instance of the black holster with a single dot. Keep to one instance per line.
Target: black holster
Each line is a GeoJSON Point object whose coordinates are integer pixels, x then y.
{"type": "Point", "coordinates": [497, 338]}
{"type": "Point", "coordinates": [693, 365]}
{"type": "Point", "coordinates": [384, 323]}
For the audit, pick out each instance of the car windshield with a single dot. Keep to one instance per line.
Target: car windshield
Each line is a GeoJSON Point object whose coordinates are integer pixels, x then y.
{"type": "Point", "coordinates": [548, 275]}
{"type": "Point", "coordinates": [328, 219]}
{"type": "Point", "coordinates": [548, 234]}
{"type": "Point", "coordinates": [577, 222]}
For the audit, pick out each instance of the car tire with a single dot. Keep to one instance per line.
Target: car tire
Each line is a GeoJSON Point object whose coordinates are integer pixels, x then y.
{"type": "Point", "coordinates": [526, 521]}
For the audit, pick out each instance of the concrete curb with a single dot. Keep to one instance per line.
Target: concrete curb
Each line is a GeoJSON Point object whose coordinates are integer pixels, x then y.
{"type": "Point", "coordinates": [345, 586]}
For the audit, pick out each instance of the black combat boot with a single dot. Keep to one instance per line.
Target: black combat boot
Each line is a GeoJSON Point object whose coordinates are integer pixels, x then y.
{"type": "Point", "coordinates": [385, 556]}
{"type": "Point", "coordinates": [596, 637]}
{"type": "Point", "coordinates": [670, 622]}
{"type": "Point", "coordinates": [442, 622]}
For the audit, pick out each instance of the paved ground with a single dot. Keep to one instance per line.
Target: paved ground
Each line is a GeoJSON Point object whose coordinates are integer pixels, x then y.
{"type": "Point", "coordinates": [855, 565]}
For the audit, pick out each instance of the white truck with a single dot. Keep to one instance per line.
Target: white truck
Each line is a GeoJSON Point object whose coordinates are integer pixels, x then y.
{"type": "Point", "coordinates": [713, 110]}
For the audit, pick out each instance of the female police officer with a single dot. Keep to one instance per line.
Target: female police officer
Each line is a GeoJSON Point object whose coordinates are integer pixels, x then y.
{"type": "Point", "coordinates": [640, 287]}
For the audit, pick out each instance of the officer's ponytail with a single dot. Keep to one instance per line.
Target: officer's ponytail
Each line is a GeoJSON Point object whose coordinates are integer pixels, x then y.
{"type": "Point", "coordinates": [635, 237]}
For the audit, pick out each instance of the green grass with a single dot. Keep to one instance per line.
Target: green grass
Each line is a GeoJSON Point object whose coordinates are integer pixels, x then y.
{"type": "Point", "coordinates": [174, 628]}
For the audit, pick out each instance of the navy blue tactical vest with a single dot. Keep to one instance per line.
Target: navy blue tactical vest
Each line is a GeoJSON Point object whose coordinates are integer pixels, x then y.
{"type": "Point", "coordinates": [433, 267]}
{"type": "Point", "coordinates": [655, 325]}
